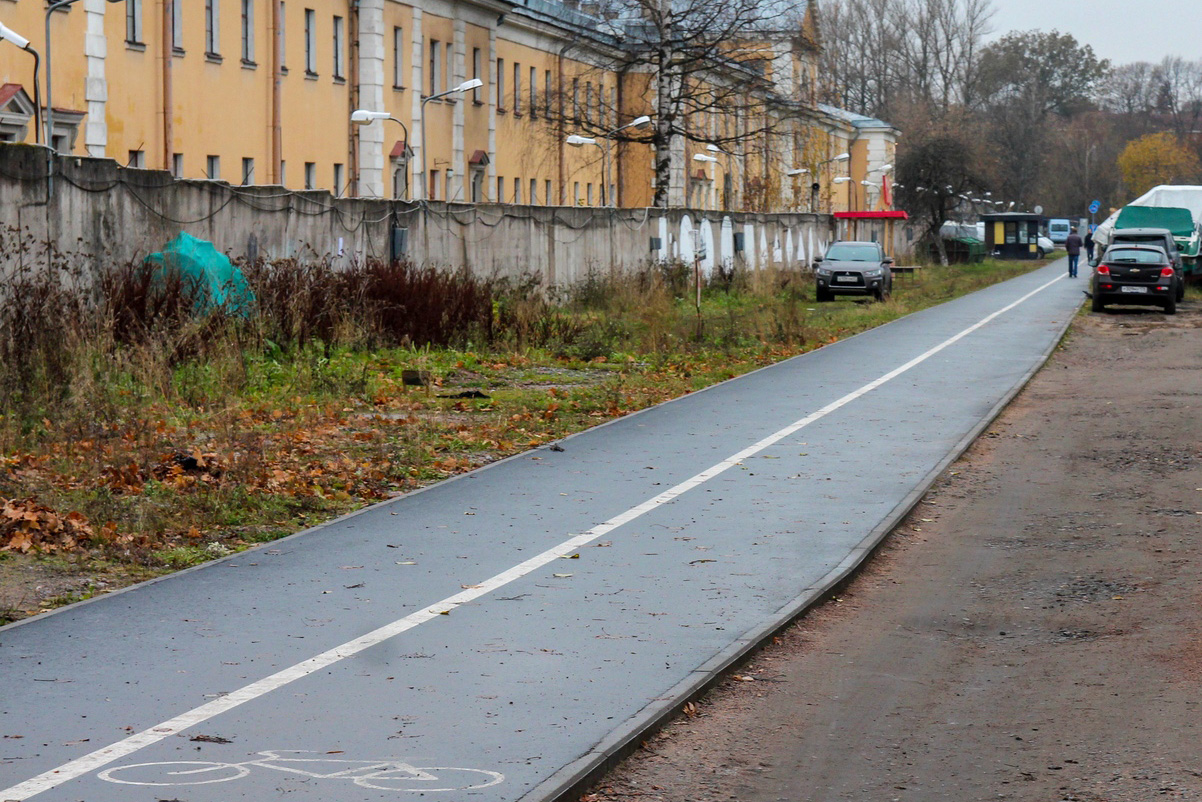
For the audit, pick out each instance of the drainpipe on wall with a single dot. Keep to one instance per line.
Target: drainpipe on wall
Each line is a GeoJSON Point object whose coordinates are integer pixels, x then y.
{"type": "Point", "coordinates": [168, 95]}
{"type": "Point", "coordinates": [559, 129]}
{"type": "Point", "coordinates": [351, 129]}
{"type": "Point", "coordinates": [277, 77]}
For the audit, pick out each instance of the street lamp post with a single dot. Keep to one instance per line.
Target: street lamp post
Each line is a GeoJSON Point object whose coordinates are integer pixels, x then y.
{"type": "Point", "coordinates": [49, 69]}
{"type": "Point", "coordinates": [9, 35]}
{"type": "Point", "coordinates": [474, 83]}
{"type": "Point", "coordinates": [606, 171]}
{"type": "Point", "coordinates": [366, 117]}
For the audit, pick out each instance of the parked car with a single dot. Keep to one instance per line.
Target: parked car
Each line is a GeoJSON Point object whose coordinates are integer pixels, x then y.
{"type": "Point", "coordinates": [1135, 274]}
{"type": "Point", "coordinates": [1044, 246]}
{"type": "Point", "coordinates": [853, 268]}
{"type": "Point", "coordinates": [1161, 238]}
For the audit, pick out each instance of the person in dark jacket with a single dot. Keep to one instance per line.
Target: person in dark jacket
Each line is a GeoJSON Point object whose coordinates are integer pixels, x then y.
{"type": "Point", "coordinates": [1089, 246]}
{"type": "Point", "coordinates": [1073, 246]}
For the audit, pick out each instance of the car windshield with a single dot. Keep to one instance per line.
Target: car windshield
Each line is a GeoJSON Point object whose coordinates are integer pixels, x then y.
{"type": "Point", "coordinates": [1133, 256]}
{"type": "Point", "coordinates": [852, 252]}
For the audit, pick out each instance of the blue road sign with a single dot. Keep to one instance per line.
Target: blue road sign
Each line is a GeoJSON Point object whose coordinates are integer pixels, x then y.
{"type": "Point", "coordinates": [1093, 207]}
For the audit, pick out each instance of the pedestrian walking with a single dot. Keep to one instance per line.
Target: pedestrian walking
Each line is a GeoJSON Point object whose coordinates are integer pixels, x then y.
{"type": "Point", "coordinates": [1089, 246]}
{"type": "Point", "coordinates": [1073, 245]}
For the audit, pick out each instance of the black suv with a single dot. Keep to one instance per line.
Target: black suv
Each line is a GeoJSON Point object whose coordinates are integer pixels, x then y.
{"type": "Point", "coordinates": [1135, 274]}
{"type": "Point", "coordinates": [853, 268]}
{"type": "Point", "coordinates": [1161, 238]}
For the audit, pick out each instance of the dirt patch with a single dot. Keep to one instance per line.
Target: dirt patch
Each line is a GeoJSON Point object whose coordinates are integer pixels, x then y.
{"type": "Point", "coordinates": [1029, 633]}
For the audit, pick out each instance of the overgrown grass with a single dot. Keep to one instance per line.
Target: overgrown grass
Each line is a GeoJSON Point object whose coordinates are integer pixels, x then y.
{"type": "Point", "coordinates": [175, 437]}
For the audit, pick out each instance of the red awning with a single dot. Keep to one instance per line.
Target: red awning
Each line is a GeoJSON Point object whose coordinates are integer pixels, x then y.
{"type": "Point", "coordinates": [398, 149]}
{"type": "Point", "coordinates": [898, 215]}
{"type": "Point", "coordinates": [479, 157]}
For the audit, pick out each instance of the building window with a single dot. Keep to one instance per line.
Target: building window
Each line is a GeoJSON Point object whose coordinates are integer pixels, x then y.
{"type": "Point", "coordinates": [177, 165]}
{"type": "Point", "coordinates": [533, 191]}
{"type": "Point", "coordinates": [476, 73]}
{"type": "Point", "coordinates": [339, 35]}
{"type": "Point", "coordinates": [500, 189]}
{"type": "Point", "coordinates": [435, 73]}
{"type": "Point", "coordinates": [283, 172]}
{"type": "Point", "coordinates": [517, 190]}
{"type": "Point", "coordinates": [137, 158]}
{"type": "Point", "coordinates": [547, 193]}
{"type": "Point", "coordinates": [588, 101]}
{"type": "Point", "coordinates": [133, 22]}
{"type": "Point", "coordinates": [248, 171]}
{"type": "Point", "coordinates": [398, 58]}
{"type": "Point", "coordinates": [338, 180]}
{"type": "Point", "coordinates": [576, 193]}
{"type": "Point", "coordinates": [517, 88]}
{"type": "Point", "coordinates": [177, 25]}
{"type": "Point", "coordinates": [589, 193]}
{"type": "Point", "coordinates": [500, 86]}
{"type": "Point", "coordinates": [310, 42]}
{"type": "Point", "coordinates": [435, 179]}
{"type": "Point", "coordinates": [212, 27]}
{"type": "Point", "coordinates": [248, 31]}
{"type": "Point", "coordinates": [547, 92]}
{"type": "Point", "coordinates": [576, 99]}
{"type": "Point", "coordinates": [310, 175]}
{"type": "Point", "coordinates": [533, 93]}
{"type": "Point", "coordinates": [213, 167]}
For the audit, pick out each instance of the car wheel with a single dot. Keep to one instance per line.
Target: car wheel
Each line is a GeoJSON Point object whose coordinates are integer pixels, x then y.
{"type": "Point", "coordinates": [1095, 304]}
{"type": "Point", "coordinates": [821, 295]}
{"type": "Point", "coordinates": [1181, 290]}
{"type": "Point", "coordinates": [1170, 305]}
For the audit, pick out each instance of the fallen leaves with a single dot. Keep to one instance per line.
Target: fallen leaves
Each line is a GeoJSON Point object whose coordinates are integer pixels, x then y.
{"type": "Point", "coordinates": [26, 525]}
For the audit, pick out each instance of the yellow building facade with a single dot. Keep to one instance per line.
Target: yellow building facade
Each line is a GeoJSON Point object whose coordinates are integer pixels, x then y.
{"type": "Point", "coordinates": [262, 92]}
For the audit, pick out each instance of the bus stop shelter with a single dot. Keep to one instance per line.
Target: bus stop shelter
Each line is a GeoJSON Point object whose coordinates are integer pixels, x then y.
{"type": "Point", "coordinates": [1013, 235]}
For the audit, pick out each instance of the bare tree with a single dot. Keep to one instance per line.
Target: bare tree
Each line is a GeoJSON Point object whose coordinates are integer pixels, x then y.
{"type": "Point", "coordinates": [882, 54]}
{"type": "Point", "coordinates": [707, 67]}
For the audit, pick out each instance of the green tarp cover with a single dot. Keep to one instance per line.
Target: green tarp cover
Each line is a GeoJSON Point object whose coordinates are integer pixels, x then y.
{"type": "Point", "coordinates": [207, 274]}
{"type": "Point", "coordinates": [1179, 221]}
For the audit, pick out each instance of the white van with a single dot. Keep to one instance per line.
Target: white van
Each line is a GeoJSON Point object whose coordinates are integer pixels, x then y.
{"type": "Point", "coordinates": [1058, 230]}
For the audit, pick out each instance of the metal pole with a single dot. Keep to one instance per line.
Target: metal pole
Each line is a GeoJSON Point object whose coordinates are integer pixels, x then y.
{"type": "Point", "coordinates": [422, 112]}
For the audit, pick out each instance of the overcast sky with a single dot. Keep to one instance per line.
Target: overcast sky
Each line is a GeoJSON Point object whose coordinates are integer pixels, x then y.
{"type": "Point", "coordinates": [1120, 30]}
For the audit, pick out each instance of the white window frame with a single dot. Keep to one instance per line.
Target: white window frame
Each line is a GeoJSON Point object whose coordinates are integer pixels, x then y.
{"type": "Point", "coordinates": [213, 27]}
{"type": "Point", "coordinates": [133, 22]}
{"type": "Point", "coordinates": [339, 46]}
{"type": "Point", "coordinates": [248, 31]}
{"type": "Point", "coordinates": [310, 43]}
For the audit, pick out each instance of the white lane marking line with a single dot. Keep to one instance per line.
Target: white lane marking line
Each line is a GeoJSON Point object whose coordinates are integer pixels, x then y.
{"type": "Point", "coordinates": [102, 757]}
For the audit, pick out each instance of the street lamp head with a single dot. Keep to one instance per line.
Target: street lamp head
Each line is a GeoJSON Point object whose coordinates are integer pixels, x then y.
{"type": "Point", "coordinates": [842, 157]}
{"type": "Point", "coordinates": [640, 122]}
{"type": "Point", "coordinates": [578, 141]}
{"type": "Point", "coordinates": [474, 83]}
{"type": "Point", "coordinates": [9, 35]}
{"type": "Point", "coordinates": [365, 116]}
{"type": "Point", "coordinates": [701, 157]}
{"type": "Point", "coordinates": [842, 180]}
{"type": "Point", "coordinates": [713, 148]}
{"type": "Point", "coordinates": [798, 171]}
{"type": "Point", "coordinates": [884, 168]}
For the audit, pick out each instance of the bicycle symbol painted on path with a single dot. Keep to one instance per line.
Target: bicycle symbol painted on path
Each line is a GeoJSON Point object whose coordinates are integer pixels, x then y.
{"type": "Point", "coordinates": [384, 775]}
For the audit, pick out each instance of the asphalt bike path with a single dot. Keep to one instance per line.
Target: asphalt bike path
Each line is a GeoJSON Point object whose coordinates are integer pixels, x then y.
{"type": "Point", "coordinates": [500, 635]}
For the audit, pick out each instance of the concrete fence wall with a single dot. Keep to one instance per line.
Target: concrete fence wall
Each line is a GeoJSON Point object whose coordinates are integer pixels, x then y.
{"type": "Point", "coordinates": [104, 212]}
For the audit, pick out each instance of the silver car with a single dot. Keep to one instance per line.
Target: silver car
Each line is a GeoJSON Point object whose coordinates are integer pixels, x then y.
{"type": "Point", "coordinates": [853, 268]}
